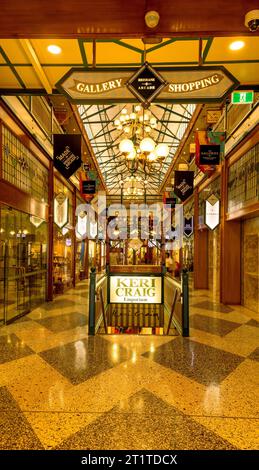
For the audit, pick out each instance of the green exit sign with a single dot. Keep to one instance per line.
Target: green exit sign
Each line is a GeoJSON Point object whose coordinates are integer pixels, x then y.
{"type": "Point", "coordinates": [242, 97]}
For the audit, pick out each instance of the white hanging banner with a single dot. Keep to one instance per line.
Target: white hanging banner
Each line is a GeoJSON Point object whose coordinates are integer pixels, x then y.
{"type": "Point", "coordinates": [36, 221]}
{"type": "Point", "coordinates": [81, 226]}
{"type": "Point", "coordinates": [60, 210]}
{"type": "Point", "coordinates": [212, 212]}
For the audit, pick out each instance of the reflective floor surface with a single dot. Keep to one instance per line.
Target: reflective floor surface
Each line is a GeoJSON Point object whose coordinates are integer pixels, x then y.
{"type": "Point", "coordinates": [60, 389]}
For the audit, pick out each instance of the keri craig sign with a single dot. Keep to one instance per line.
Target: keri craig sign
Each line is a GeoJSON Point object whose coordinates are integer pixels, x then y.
{"type": "Point", "coordinates": [135, 289]}
{"type": "Point", "coordinates": [147, 84]}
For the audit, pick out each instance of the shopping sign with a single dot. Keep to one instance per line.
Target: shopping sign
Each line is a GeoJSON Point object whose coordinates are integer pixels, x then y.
{"type": "Point", "coordinates": [67, 154]}
{"type": "Point", "coordinates": [147, 84]}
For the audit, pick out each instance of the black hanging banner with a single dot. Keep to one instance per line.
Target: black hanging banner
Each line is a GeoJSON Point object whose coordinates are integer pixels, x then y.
{"type": "Point", "coordinates": [171, 201]}
{"type": "Point", "coordinates": [188, 226]}
{"type": "Point", "coordinates": [183, 184]}
{"type": "Point", "coordinates": [88, 187]}
{"type": "Point", "coordinates": [67, 154]}
{"type": "Point", "coordinates": [209, 154]}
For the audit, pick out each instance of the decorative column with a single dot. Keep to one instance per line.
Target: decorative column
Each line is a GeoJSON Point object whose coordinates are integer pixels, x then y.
{"type": "Point", "coordinates": [74, 238]}
{"type": "Point", "coordinates": [50, 233]}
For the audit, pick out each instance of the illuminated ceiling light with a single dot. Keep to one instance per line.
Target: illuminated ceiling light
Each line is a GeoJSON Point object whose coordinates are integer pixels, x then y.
{"type": "Point", "coordinates": [124, 111]}
{"type": "Point", "coordinates": [53, 49]}
{"type": "Point", "coordinates": [162, 150]}
{"type": "Point", "coordinates": [151, 157]}
{"type": "Point", "coordinates": [137, 108]}
{"type": "Point", "coordinates": [147, 145]}
{"type": "Point", "coordinates": [12, 232]}
{"type": "Point", "coordinates": [126, 146]}
{"type": "Point", "coordinates": [236, 45]}
{"type": "Point", "coordinates": [25, 232]}
{"type": "Point", "coordinates": [117, 122]}
{"type": "Point", "coordinates": [152, 19]}
{"type": "Point", "coordinates": [131, 155]}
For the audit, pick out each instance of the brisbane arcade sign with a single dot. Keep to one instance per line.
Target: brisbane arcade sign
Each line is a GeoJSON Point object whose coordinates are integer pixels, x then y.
{"type": "Point", "coordinates": [147, 84]}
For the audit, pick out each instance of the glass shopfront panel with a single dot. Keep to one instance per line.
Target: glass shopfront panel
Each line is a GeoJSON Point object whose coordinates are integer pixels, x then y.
{"type": "Point", "coordinates": [23, 262]}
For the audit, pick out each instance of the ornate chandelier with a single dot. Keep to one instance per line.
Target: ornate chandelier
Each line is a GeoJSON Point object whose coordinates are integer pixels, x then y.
{"type": "Point", "coordinates": [138, 146]}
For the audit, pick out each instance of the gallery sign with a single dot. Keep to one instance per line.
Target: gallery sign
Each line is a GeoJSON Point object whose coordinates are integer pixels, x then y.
{"type": "Point", "coordinates": [183, 184]}
{"type": "Point", "coordinates": [67, 154]}
{"type": "Point", "coordinates": [212, 212]}
{"type": "Point", "coordinates": [135, 289]}
{"type": "Point", "coordinates": [160, 84]}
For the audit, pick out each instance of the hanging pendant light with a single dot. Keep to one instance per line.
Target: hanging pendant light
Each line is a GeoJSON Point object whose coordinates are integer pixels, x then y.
{"type": "Point", "coordinates": [147, 145]}
{"type": "Point", "coordinates": [126, 146]}
{"type": "Point", "coordinates": [162, 150]}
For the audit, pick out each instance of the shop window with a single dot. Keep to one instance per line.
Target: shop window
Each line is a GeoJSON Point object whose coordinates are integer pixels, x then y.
{"type": "Point", "coordinates": [21, 168]}
{"type": "Point", "coordinates": [243, 180]}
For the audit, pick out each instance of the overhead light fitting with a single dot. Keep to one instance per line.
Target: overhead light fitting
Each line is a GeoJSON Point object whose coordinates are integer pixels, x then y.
{"type": "Point", "coordinates": [236, 45]}
{"type": "Point", "coordinates": [152, 19]}
{"type": "Point", "coordinates": [53, 49]}
{"type": "Point", "coordinates": [138, 146]}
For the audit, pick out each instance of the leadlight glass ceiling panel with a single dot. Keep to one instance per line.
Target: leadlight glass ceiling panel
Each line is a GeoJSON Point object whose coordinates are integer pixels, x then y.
{"type": "Point", "coordinates": [172, 121]}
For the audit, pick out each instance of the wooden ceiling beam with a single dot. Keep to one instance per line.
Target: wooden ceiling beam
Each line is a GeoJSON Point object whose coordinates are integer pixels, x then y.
{"type": "Point", "coordinates": [108, 19]}
{"type": "Point", "coordinates": [33, 58]}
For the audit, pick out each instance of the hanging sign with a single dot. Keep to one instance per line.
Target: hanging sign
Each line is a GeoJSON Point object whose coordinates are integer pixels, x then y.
{"type": "Point", "coordinates": [67, 154]}
{"type": "Point", "coordinates": [171, 201]}
{"type": "Point", "coordinates": [145, 84]}
{"type": "Point", "coordinates": [197, 84]}
{"type": "Point", "coordinates": [86, 85]}
{"type": "Point", "coordinates": [183, 184]}
{"type": "Point", "coordinates": [135, 289]}
{"type": "Point", "coordinates": [212, 212]}
{"type": "Point", "coordinates": [81, 226]}
{"type": "Point", "coordinates": [61, 210]}
{"type": "Point", "coordinates": [88, 187]}
{"type": "Point", "coordinates": [213, 115]}
{"type": "Point", "coordinates": [188, 226]}
{"type": "Point", "coordinates": [178, 84]}
{"type": "Point", "coordinates": [36, 221]}
{"type": "Point", "coordinates": [209, 154]}
{"type": "Point", "coordinates": [209, 150]}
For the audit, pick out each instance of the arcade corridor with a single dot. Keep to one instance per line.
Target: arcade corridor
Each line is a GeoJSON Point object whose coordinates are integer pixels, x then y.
{"type": "Point", "coordinates": [61, 389]}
